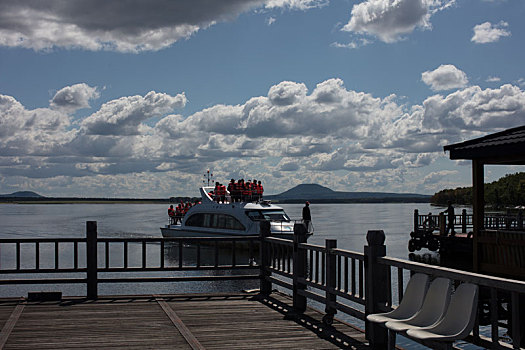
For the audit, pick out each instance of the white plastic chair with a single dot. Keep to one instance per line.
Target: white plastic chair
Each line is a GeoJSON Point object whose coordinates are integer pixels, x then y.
{"type": "Point", "coordinates": [458, 320]}
{"type": "Point", "coordinates": [410, 304]}
{"type": "Point", "coordinates": [433, 309]}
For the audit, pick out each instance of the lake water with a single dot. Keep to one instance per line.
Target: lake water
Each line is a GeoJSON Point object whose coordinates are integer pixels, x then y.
{"type": "Point", "coordinates": [347, 223]}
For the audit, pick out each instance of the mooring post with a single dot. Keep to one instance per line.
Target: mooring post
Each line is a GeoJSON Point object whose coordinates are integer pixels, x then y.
{"type": "Point", "coordinates": [91, 257]}
{"type": "Point", "coordinates": [416, 220]}
{"type": "Point", "coordinates": [265, 285]}
{"type": "Point", "coordinates": [299, 267]}
{"type": "Point", "coordinates": [331, 280]}
{"type": "Point", "coordinates": [376, 287]}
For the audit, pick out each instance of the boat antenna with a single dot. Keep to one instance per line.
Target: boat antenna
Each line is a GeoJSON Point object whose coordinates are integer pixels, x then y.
{"type": "Point", "coordinates": [209, 177]}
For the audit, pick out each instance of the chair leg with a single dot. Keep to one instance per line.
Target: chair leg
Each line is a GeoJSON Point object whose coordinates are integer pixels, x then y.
{"type": "Point", "coordinates": [391, 340]}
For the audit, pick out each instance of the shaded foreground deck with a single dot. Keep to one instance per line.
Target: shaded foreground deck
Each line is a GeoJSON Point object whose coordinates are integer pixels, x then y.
{"type": "Point", "coordinates": [240, 321]}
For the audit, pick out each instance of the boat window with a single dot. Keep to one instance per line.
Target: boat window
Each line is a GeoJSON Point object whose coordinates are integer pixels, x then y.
{"type": "Point", "coordinates": [221, 221]}
{"type": "Point", "coordinates": [272, 215]}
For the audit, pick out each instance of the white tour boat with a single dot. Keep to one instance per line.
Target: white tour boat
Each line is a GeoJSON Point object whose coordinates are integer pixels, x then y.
{"type": "Point", "coordinates": [212, 219]}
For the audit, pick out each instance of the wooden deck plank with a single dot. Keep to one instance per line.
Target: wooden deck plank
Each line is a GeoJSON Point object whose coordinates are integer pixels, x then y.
{"type": "Point", "coordinates": [216, 322]}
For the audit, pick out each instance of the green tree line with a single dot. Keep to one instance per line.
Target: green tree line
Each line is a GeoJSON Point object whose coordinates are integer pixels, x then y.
{"type": "Point", "coordinates": [507, 191]}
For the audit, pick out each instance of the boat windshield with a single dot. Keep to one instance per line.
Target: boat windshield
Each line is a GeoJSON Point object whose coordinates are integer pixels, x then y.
{"type": "Point", "coordinates": [271, 215]}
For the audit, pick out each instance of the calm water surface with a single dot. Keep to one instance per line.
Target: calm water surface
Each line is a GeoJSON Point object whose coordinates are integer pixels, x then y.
{"type": "Point", "coordinates": [347, 223]}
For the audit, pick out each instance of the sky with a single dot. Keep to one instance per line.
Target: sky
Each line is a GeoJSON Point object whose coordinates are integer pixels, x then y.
{"type": "Point", "coordinates": [140, 98]}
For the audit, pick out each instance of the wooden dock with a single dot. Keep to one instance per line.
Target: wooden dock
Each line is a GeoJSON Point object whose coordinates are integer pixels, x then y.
{"type": "Point", "coordinates": [218, 321]}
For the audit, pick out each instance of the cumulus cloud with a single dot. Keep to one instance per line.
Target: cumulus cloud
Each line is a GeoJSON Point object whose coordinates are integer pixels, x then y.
{"type": "Point", "coordinates": [124, 116]}
{"type": "Point", "coordinates": [301, 134]}
{"type": "Point", "coordinates": [390, 20]}
{"type": "Point", "coordinates": [72, 98]}
{"type": "Point", "coordinates": [488, 33]}
{"type": "Point", "coordinates": [445, 77]}
{"type": "Point", "coordinates": [124, 26]}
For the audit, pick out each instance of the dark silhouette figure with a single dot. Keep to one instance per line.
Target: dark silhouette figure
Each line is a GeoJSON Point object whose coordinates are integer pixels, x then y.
{"type": "Point", "coordinates": [450, 217]}
{"type": "Point", "coordinates": [307, 217]}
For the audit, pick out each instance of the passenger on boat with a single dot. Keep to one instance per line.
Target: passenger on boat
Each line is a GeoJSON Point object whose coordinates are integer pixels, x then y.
{"type": "Point", "coordinates": [260, 191]}
{"type": "Point", "coordinates": [247, 191]}
{"type": "Point", "coordinates": [450, 217]}
{"type": "Point", "coordinates": [307, 217]}
{"type": "Point", "coordinates": [171, 214]}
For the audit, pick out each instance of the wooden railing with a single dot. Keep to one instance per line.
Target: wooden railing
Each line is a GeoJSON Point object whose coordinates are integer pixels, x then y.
{"type": "Point", "coordinates": [351, 283]}
{"type": "Point", "coordinates": [464, 224]}
{"type": "Point", "coordinates": [92, 258]}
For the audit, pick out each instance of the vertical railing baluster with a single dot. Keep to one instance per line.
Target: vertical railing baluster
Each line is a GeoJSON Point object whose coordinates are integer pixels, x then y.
{"type": "Point", "coordinates": [389, 286]}
{"type": "Point", "coordinates": [361, 280]}
{"type": "Point", "coordinates": [56, 256]}
{"type": "Point", "coordinates": [106, 247]}
{"type": "Point", "coordinates": [339, 262]}
{"type": "Point", "coordinates": [516, 326]}
{"type": "Point", "coordinates": [354, 276]}
{"type": "Point", "coordinates": [494, 315]}
{"type": "Point", "coordinates": [316, 266]}
{"type": "Point", "coordinates": [75, 255]}
{"type": "Point", "coordinates": [323, 268]}
{"type": "Point", "coordinates": [311, 266]}
{"type": "Point", "coordinates": [400, 285]}
{"type": "Point", "coordinates": [37, 255]}
{"type": "Point", "coordinates": [162, 253]}
{"type": "Point", "coordinates": [18, 255]}
{"type": "Point", "coordinates": [347, 275]}
{"type": "Point", "coordinates": [126, 254]}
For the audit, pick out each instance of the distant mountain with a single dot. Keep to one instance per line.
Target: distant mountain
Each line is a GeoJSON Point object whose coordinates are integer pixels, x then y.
{"type": "Point", "coordinates": [21, 194]}
{"type": "Point", "coordinates": [318, 193]}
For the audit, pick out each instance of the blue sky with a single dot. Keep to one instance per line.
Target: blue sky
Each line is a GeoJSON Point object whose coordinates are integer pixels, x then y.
{"type": "Point", "coordinates": [139, 99]}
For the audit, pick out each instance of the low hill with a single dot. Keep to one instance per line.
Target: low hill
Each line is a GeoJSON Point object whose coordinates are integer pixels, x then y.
{"type": "Point", "coordinates": [22, 194]}
{"type": "Point", "coordinates": [318, 193]}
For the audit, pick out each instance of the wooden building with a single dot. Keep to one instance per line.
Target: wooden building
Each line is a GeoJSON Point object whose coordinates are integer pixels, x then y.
{"type": "Point", "coordinates": [499, 252]}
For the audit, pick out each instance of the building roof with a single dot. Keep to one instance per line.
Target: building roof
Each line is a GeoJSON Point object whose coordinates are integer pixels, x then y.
{"type": "Point", "coordinates": [505, 147]}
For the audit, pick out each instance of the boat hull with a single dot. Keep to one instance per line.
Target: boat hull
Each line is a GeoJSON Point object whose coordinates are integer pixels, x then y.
{"type": "Point", "coordinates": [176, 231]}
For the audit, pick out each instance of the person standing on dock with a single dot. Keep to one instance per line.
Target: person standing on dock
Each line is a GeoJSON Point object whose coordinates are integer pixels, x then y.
{"type": "Point", "coordinates": [307, 217]}
{"type": "Point", "coordinates": [450, 217]}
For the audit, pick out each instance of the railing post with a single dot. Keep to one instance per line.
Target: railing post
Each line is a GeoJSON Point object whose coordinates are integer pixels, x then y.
{"type": "Point", "coordinates": [520, 220]}
{"type": "Point", "coordinates": [464, 221]}
{"type": "Point", "coordinates": [376, 285]}
{"type": "Point", "coordinates": [299, 267]}
{"type": "Point", "coordinates": [442, 224]}
{"type": "Point", "coordinates": [416, 220]}
{"type": "Point", "coordinates": [91, 256]}
{"type": "Point", "coordinates": [265, 285]}
{"type": "Point", "coordinates": [331, 280]}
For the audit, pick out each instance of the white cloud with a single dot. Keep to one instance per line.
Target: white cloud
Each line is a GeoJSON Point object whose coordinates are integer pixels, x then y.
{"type": "Point", "coordinates": [72, 98]}
{"type": "Point", "coordinates": [130, 26]}
{"type": "Point", "coordinates": [328, 134]}
{"type": "Point", "coordinates": [492, 79]}
{"type": "Point", "coordinates": [488, 33]}
{"type": "Point", "coordinates": [445, 77]}
{"type": "Point", "coordinates": [125, 115]}
{"type": "Point", "coordinates": [390, 20]}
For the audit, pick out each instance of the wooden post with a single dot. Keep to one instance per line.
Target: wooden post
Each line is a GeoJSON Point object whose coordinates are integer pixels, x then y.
{"type": "Point", "coordinates": [92, 262]}
{"type": "Point", "coordinates": [265, 284]}
{"type": "Point", "coordinates": [464, 221]}
{"type": "Point", "coordinates": [331, 281]}
{"type": "Point", "coordinates": [416, 220]}
{"type": "Point", "coordinates": [376, 285]}
{"type": "Point", "coordinates": [442, 224]}
{"type": "Point", "coordinates": [520, 220]}
{"type": "Point", "coordinates": [478, 208]}
{"type": "Point", "coordinates": [299, 267]}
